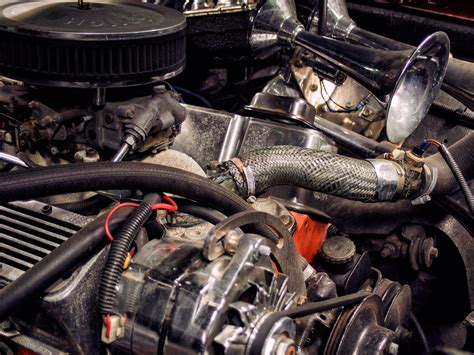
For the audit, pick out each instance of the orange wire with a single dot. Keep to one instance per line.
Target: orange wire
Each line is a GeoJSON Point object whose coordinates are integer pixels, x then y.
{"type": "Point", "coordinates": [434, 142]}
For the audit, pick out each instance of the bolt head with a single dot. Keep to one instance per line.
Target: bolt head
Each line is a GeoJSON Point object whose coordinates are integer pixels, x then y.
{"type": "Point", "coordinates": [264, 250]}
{"type": "Point", "coordinates": [434, 253]}
{"type": "Point", "coordinates": [251, 199]}
{"type": "Point", "coordinates": [393, 348]}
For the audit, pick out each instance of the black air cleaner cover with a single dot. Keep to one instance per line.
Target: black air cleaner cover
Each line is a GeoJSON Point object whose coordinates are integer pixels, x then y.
{"type": "Point", "coordinates": [98, 44]}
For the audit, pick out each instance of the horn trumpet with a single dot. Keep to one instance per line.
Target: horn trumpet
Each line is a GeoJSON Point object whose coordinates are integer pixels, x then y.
{"type": "Point", "coordinates": [407, 81]}
{"type": "Point", "coordinates": [459, 78]}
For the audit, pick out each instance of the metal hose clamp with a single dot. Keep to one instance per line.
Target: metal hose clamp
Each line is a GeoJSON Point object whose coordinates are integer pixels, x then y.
{"type": "Point", "coordinates": [430, 177]}
{"type": "Point", "coordinates": [390, 178]}
{"type": "Point", "coordinates": [247, 174]}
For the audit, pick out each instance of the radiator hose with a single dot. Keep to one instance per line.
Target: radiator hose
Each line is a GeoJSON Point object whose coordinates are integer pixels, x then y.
{"type": "Point", "coordinates": [365, 180]}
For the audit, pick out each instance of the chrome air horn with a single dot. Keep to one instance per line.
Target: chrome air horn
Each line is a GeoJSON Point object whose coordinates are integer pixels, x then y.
{"type": "Point", "coordinates": [407, 81]}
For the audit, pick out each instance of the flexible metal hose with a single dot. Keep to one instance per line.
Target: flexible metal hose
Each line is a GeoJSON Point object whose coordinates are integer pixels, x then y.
{"type": "Point", "coordinates": [255, 171]}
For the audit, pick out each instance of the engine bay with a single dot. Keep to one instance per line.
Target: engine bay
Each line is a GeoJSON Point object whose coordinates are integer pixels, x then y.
{"type": "Point", "coordinates": [235, 177]}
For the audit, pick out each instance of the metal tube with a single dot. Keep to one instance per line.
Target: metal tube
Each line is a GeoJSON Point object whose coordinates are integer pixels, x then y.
{"type": "Point", "coordinates": [11, 159]}
{"type": "Point", "coordinates": [354, 142]}
{"type": "Point", "coordinates": [121, 153]}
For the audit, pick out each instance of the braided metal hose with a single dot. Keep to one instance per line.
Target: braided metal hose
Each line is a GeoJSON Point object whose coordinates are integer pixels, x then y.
{"type": "Point", "coordinates": [356, 179]}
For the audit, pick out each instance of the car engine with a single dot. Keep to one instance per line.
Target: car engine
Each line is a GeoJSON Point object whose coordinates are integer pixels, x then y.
{"type": "Point", "coordinates": [236, 177]}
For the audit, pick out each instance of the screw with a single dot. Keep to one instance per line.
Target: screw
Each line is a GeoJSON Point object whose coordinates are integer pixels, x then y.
{"type": "Point", "coordinates": [313, 87]}
{"type": "Point", "coordinates": [367, 112]}
{"type": "Point", "coordinates": [47, 209]}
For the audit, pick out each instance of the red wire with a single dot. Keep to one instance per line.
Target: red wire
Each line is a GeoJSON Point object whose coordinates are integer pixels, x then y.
{"type": "Point", "coordinates": [112, 211]}
{"type": "Point", "coordinates": [170, 201]}
{"type": "Point", "coordinates": [108, 325]}
{"type": "Point", "coordinates": [172, 207]}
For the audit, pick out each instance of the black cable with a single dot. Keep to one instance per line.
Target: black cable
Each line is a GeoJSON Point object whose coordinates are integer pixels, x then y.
{"type": "Point", "coordinates": [420, 332]}
{"type": "Point", "coordinates": [196, 96]}
{"type": "Point", "coordinates": [8, 117]}
{"type": "Point", "coordinates": [323, 87]}
{"type": "Point", "coordinates": [457, 210]}
{"type": "Point", "coordinates": [197, 210]}
{"type": "Point", "coordinates": [466, 190]}
{"type": "Point", "coordinates": [322, 16]}
{"type": "Point", "coordinates": [311, 16]}
{"type": "Point", "coordinates": [88, 207]}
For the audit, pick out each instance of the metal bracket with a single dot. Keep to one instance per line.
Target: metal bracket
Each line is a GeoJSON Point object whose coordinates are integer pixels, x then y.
{"type": "Point", "coordinates": [214, 246]}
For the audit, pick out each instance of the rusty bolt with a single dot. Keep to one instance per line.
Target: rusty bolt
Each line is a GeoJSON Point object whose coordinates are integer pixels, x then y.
{"type": "Point", "coordinates": [286, 219]}
{"type": "Point", "coordinates": [90, 152]}
{"type": "Point", "coordinates": [388, 250]}
{"type": "Point", "coordinates": [433, 253]}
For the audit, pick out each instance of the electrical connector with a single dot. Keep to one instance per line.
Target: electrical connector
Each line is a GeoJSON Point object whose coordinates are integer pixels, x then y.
{"type": "Point", "coordinates": [112, 328]}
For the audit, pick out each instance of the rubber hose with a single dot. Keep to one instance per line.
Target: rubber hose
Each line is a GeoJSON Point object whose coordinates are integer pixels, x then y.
{"type": "Point", "coordinates": [322, 16]}
{"type": "Point", "coordinates": [63, 179]}
{"type": "Point", "coordinates": [88, 206]}
{"type": "Point", "coordinates": [119, 250]}
{"type": "Point", "coordinates": [77, 249]}
{"type": "Point", "coordinates": [456, 170]}
{"type": "Point", "coordinates": [205, 213]}
{"type": "Point", "coordinates": [462, 152]}
{"type": "Point", "coordinates": [421, 333]}
{"type": "Point", "coordinates": [307, 168]}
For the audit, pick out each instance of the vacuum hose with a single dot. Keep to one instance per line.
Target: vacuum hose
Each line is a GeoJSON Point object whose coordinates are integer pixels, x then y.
{"type": "Point", "coordinates": [64, 179]}
{"type": "Point", "coordinates": [356, 179]}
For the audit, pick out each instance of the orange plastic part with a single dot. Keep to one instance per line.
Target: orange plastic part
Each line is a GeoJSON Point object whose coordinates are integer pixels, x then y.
{"type": "Point", "coordinates": [309, 235]}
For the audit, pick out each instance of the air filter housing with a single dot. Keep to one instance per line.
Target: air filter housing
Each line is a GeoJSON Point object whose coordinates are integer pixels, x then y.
{"type": "Point", "coordinates": [99, 44]}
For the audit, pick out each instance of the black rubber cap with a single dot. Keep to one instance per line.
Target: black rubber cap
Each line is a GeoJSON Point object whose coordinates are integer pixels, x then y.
{"type": "Point", "coordinates": [338, 250]}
